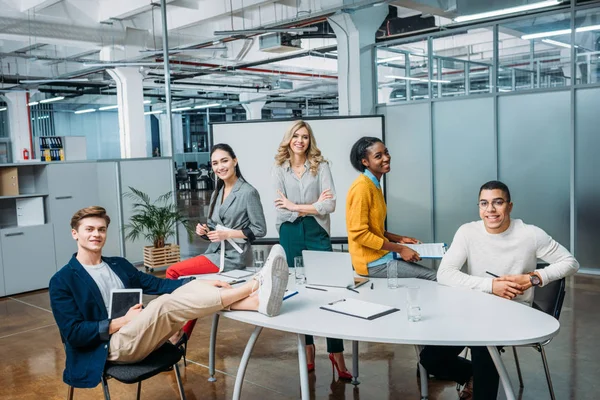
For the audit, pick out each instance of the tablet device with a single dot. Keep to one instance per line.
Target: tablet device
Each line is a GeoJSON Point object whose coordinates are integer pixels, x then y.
{"type": "Point", "coordinates": [121, 300]}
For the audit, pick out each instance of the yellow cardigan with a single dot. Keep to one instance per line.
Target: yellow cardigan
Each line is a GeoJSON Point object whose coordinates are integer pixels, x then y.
{"type": "Point", "coordinates": [365, 218]}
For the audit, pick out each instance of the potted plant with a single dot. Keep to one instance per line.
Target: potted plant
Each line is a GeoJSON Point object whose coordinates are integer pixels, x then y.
{"type": "Point", "coordinates": [156, 221]}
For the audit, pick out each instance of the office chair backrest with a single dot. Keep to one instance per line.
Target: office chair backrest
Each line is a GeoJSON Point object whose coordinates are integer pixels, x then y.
{"type": "Point", "coordinates": [182, 173]}
{"type": "Point", "coordinates": [550, 297]}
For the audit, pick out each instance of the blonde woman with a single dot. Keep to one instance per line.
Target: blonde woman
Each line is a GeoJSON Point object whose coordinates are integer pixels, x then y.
{"type": "Point", "coordinates": [306, 193]}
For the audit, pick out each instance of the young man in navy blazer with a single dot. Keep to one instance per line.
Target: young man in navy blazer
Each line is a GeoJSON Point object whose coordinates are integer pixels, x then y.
{"type": "Point", "coordinates": [80, 292]}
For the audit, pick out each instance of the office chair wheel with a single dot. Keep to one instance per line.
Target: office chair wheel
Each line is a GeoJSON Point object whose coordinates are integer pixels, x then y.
{"type": "Point", "coordinates": [148, 269]}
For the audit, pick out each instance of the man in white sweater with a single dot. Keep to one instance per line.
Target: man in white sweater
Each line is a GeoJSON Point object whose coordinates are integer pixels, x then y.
{"type": "Point", "coordinates": [508, 249]}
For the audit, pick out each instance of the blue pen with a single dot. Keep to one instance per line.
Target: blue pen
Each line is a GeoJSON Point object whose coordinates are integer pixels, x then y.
{"type": "Point", "coordinates": [290, 295]}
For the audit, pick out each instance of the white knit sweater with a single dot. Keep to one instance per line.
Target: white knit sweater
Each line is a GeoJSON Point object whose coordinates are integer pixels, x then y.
{"type": "Point", "coordinates": [514, 251]}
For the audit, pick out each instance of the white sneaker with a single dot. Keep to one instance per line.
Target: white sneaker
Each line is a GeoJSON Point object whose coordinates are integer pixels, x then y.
{"type": "Point", "coordinates": [272, 281]}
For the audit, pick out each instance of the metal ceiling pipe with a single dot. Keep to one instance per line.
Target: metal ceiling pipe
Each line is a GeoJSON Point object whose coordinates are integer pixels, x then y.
{"type": "Point", "coordinates": [167, 71]}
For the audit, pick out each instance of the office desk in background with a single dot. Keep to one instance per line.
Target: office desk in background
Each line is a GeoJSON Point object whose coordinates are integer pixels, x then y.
{"type": "Point", "coordinates": [451, 317]}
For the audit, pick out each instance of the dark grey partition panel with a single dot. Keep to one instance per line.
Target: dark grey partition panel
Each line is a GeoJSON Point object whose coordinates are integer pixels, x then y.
{"type": "Point", "coordinates": [533, 159]}
{"type": "Point", "coordinates": [108, 197]}
{"type": "Point", "coordinates": [464, 158]}
{"type": "Point", "coordinates": [587, 177]}
{"type": "Point", "coordinates": [408, 189]}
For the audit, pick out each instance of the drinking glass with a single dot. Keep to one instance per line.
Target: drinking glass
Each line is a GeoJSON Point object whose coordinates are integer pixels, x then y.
{"type": "Point", "coordinates": [392, 275]}
{"type": "Point", "coordinates": [299, 270]}
{"type": "Point", "coordinates": [413, 304]}
{"type": "Point", "coordinates": [259, 260]}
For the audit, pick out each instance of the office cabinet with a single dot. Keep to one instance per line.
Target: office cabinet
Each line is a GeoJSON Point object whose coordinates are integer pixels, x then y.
{"type": "Point", "coordinates": [30, 211]}
{"type": "Point", "coordinates": [72, 187]}
{"type": "Point", "coordinates": [62, 148]}
{"type": "Point", "coordinates": [27, 257]}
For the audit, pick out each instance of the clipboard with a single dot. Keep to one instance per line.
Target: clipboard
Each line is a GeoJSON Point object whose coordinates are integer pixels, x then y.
{"type": "Point", "coordinates": [359, 309]}
{"type": "Point", "coordinates": [425, 250]}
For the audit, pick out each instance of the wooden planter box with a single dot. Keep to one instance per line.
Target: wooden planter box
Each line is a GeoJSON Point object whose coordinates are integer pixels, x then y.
{"type": "Point", "coordinates": [162, 257]}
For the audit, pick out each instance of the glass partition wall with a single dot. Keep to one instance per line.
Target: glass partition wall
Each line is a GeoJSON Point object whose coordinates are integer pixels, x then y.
{"type": "Point", "coordinates": [515, 54]}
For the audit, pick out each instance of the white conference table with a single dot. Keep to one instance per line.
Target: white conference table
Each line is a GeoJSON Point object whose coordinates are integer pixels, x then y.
{"type": "Point", "coordinates": [450, 317]}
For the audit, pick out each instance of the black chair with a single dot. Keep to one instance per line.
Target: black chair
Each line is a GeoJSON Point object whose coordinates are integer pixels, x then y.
{"type": "Point", "coordinates": [182, 179]}
{"type": "Point", "coordinates": [548, 299]}
{"type": "Point", "coordinates": [163, 359]}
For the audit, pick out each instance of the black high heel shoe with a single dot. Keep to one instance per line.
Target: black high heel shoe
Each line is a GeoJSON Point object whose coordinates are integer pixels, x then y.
{"type": "Point", "coordinates": [182, 345]}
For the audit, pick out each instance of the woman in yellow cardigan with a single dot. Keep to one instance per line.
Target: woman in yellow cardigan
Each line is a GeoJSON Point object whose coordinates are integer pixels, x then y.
{"type": "Point", "coordinates": [371, 246]}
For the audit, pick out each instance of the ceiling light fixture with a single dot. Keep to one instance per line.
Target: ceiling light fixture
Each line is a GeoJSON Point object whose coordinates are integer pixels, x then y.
{"type": "Point", "coordinates": [557, 43]}
{"type": "Point", "coordinates": [154, 112]}
{"type": "Point", "coordinates": [505, 11]}
{"type": "Point", "coordinates": [560, 32]}
{"type": "Point", "coordinates": [52, 99]}
{"type": "Point", "coordinates": [33, 103]}
{"type": "Point", "coordinates": [266, 30]}
{"type": "Point", "coordinates": [385, 60]}
{"type": "Point", "coordinates": [207, 105]}
{"type": "Point", "coordinates": [41, 81]}
{"type": "Point", "coordinates": [123, 64]}
{"type": "Point", "coordinates": [3, 109]}
{"type": "Point", "coordinates": [147, 101]}
{"type": "Point", "coordinates": [105, 108]}
{"type": "Point", "coordinates": [88, 110]}
{"type": "Point", "coordinates": [181, 109]}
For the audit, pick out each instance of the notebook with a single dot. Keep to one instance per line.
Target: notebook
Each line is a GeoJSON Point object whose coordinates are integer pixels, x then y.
{"type": "Point", "coordinates": [426, 250]}
{"type": "Point", "coordinates": [121, 300]}
{"type": "Point", "coordinates": [359, 308]}
{"type": "Point", "coordinates": [237, 273]}
{"type": "Point", "coordinates": [330, 268]}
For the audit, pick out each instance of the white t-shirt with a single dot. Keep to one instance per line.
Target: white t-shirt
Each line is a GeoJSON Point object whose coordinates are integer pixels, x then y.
{"type": "Point", "coordinates": [106, 279]}
{"type": "Point", "coordinates": [514, 251]}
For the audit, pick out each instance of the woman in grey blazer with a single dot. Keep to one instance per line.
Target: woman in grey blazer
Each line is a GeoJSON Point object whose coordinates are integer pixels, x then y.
{"type": "Point", "coordinates": [235, 220]}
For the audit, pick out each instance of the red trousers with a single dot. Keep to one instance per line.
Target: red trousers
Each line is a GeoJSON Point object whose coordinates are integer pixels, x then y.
{"type": "Point", "coordinates": [192, 266]}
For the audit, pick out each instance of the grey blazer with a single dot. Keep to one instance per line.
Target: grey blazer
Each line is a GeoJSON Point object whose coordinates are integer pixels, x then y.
{"type": "Point", "coordinates": [241, 210]}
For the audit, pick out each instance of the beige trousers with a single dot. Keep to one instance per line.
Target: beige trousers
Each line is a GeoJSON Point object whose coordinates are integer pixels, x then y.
{"type": "Point", "coordinates": [161, 319]}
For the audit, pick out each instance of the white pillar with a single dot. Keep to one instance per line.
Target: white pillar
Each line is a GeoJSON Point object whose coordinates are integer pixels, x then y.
{"type": "Point", "coordinates": [130, 98]}
{"type": "Point", "coordinates": [356, 69]}
{"type": "Point", "coordinates": [18, 125]}
{"type": "Point", "coordinates": [253, 108]}
{"type": "Point", "coordinates": [165, 140]}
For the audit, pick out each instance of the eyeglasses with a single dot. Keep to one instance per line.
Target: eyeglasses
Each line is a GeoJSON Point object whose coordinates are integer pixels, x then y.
{"type": "Point", "coordinates": [496, 203]}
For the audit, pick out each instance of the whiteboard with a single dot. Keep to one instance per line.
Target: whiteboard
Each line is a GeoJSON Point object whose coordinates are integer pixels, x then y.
{"type": "Point", "coordinates": [255, 144]}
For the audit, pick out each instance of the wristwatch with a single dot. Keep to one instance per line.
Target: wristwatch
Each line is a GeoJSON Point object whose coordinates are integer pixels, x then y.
{"type": "Point", "coordinates": [534, 279]}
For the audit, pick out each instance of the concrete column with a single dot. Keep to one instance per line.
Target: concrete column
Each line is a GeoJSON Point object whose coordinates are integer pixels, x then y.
{"type": "Point", "coordinates": [253, 109]}
{"type": "Point", "coordinates": [18, 125]}
{"type": "Point", "coordinates": [165, 140]}
{"type": "Point", "coordinates": [355, 34]}
{"type": "Point", "coordinates": [130, 98]}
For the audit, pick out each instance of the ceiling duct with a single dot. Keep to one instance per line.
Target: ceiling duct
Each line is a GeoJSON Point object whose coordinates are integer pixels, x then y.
{"type": "Point", "coordinates": [394, 25]}
{"type": "Point", "coordinates": [279, 43]}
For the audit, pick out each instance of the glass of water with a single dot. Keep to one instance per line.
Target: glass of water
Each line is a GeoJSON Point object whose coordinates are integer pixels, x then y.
{"type": "Point", "coordinates": [392, 275]}
{"type": "Point", "coordinates": [413, 303]}
{"type": "Point", "coordinates": [259, 260]}
{"type": "Point", "coordinates": [299, 270]}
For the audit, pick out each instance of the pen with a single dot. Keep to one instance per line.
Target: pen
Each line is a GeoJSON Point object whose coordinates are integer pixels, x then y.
{"type": "Point", "coordinates": [354, 290]}
{"type": "Point", "coordinates": [290, 295]}
{"type": "Point", "coordinates": [371, 285]}
{"type": "Point", "coordinates": [236, 282]}
{"type": "Point", "coordinates": [314, 288]}
{"type": "Point", "coordinates": [494, 275]}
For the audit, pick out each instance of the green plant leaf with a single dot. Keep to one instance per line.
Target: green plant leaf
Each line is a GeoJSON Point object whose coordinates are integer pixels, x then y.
{"type": "Point", "coordinates": [154, 220]}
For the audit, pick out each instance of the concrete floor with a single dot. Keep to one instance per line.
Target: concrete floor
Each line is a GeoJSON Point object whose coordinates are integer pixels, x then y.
{"type": "Point", "coordinates": [33, 358]}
